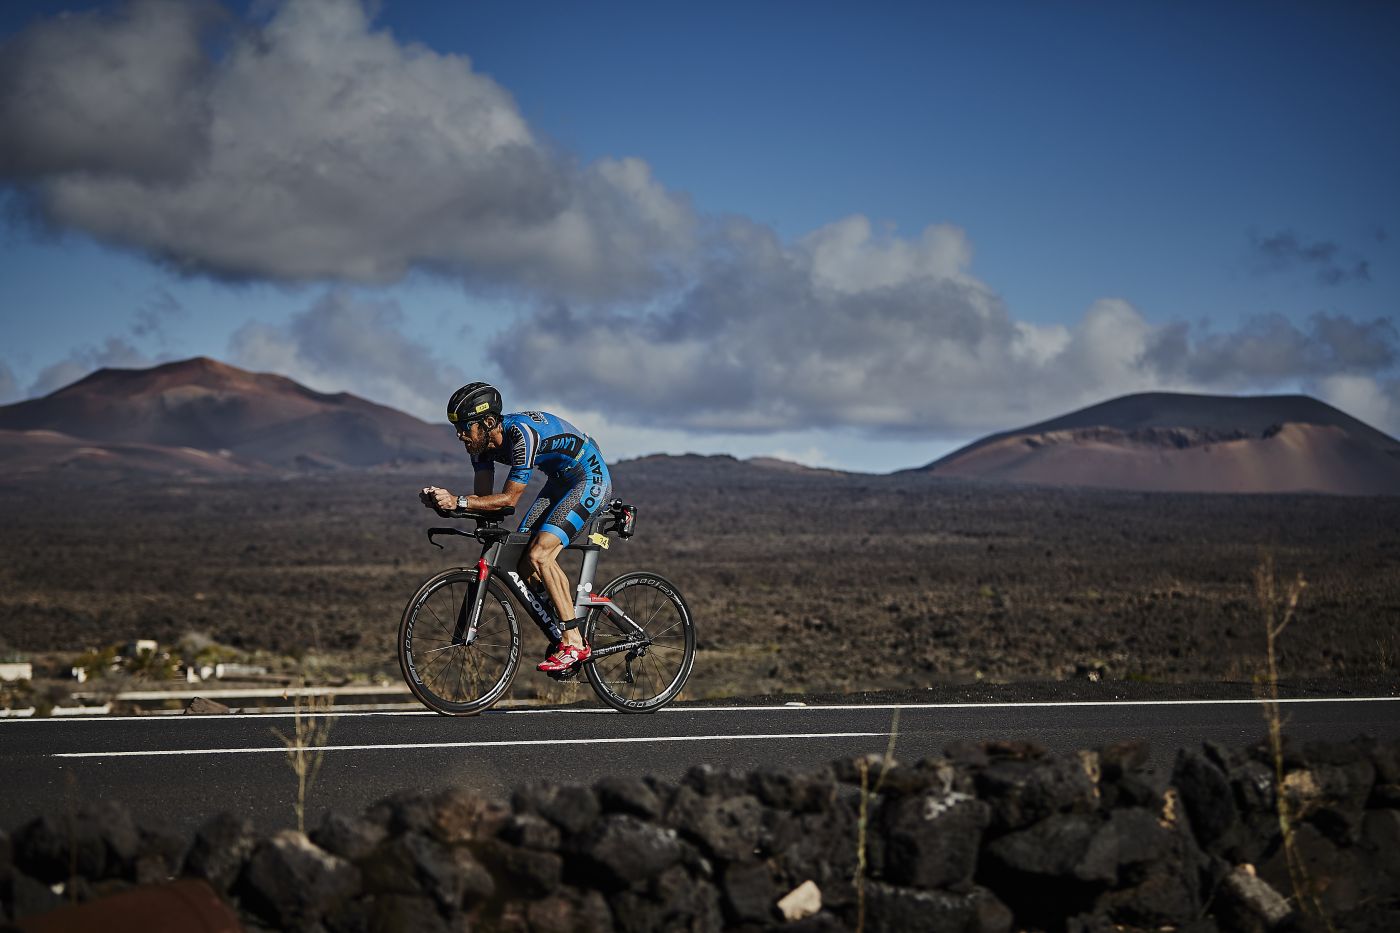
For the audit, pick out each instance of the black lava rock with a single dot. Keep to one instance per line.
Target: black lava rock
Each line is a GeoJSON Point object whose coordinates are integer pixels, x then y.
{"type": "Point", "coordinates": [1207, 798]}
{"type": "Point", "coordinates": [932, 841]}
{"type": "Point", "coordinates": [1168, 896]}
{"type": "Point", "coordinates": [1056, 847]}
{"type": "Point", "coordinates": [627, 794]}
{"type": "Point", "coordinates": [1022, 791]}
{"type": "Point", "coordinates": [405, 913]}
{"type": "Point", "coordinates": [749, 892]}
{"type": "Point", "coordinates": [569, 911]}
{"type": "Point", "coordinates": [1122, 758]}
{"type": "Point", "coordinates": [530, 831]}
{"type": "Point", "coordinates": [350, 837]}
{"type": "Point", "coordinates": [29, 896]}
{"type": "Point", "coordinates": [570, 807]}
{"type": "Point", "coordinates": [727, 828]}
{"type": "Point", "coordinates": [709, 780]}
{"type": "Point", "coordinates": [415, 863]}
{"type": "Point", "coordinates": [621, 851]}
{"type": "Point", "coordinates": [404, 812]}
{"type": "Point", "coordinates": [291, 883]}
{"type": "Point", "coordinates": [890, 909]}
{"type": "Point", "coordinates": [670, 901]}
{"type": "Point", "coordinates": [220, 848]}
{"type": "Point", "coordinates": [98, 841]}
{"type": "Point", "coordinates": [461, 816]}
{"type": "Point", "coordinates": [795, 793]}
{"type": "Point", "coordinates": [527, 873]}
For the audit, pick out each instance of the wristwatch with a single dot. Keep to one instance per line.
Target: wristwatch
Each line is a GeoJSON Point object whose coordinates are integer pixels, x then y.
{"type": "Point", "coordinates": [462, 502]}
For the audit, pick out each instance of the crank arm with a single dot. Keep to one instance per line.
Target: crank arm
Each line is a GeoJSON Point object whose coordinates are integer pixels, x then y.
{"type": "Point", "coordinates": [622, 646]}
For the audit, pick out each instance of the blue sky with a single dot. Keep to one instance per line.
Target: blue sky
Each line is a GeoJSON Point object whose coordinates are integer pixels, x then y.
{"type": "Point", "coordinates": [850, 235]}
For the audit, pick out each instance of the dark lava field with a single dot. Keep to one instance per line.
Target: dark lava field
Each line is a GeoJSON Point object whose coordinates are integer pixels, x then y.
{"type": "Point", "coordinates": [800, 581]}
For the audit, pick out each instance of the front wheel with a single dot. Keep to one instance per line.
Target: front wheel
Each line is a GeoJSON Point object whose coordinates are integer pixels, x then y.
{"type": "Point", "coordinates": [643, 646]}
{"type": "Point", "coordinates": [446, 674]}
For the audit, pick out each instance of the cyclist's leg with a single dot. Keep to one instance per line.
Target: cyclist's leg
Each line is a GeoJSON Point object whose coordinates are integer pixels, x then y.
{"type": "Point", "coordinates": [543, 558]}
{"type": "Point", "coordinates": [549, 496]}
{"type": "Point", "coordinates": [563, 523]}
{"type": "Point", "coordinates": [545, 503]}
{"type": "Point", "coordinates": [552, 493]}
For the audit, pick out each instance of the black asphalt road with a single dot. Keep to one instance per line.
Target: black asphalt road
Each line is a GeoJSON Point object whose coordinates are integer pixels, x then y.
{"type": "Point", "coordinates": [185, 769]}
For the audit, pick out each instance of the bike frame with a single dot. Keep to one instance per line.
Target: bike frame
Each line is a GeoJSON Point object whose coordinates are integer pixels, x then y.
{"type": "Point", "coordinates": [501, 551]}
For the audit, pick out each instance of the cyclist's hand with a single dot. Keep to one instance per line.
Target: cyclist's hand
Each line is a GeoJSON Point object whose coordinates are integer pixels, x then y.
{"type": "Point", "coordinates": [438, 498]}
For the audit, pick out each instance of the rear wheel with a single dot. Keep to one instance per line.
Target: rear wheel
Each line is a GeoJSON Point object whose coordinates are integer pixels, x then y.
{"type": "Point", "coordinates": [640, 671]}
{"type": "Point", "coordinates": [450, 677]}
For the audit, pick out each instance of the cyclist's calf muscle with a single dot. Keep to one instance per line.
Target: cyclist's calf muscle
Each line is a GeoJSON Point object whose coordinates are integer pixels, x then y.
{"type": "Point", "coordinates": [540, 565]}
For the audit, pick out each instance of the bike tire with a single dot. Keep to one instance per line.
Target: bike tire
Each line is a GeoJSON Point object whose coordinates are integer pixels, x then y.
{"type": "Point", "coordinates": [458, 680]}
{"type": "Point", "coordinates": [658, 672]}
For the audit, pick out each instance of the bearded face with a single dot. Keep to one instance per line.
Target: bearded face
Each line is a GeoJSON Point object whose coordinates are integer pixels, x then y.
{"type": "Point", "coordinates": [474, 437]}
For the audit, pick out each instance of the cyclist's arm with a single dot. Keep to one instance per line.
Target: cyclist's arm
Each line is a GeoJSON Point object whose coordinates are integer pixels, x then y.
{"type": "Point", "coordinates": [506, 497]}
{"type": "Point", "coordinates": [485, 479]}
{"type": "Point", "coordinates": [520, 443]}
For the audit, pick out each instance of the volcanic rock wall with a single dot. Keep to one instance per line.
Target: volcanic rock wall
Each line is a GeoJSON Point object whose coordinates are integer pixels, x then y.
{"type": "Point", "coordinates": [990, 837]}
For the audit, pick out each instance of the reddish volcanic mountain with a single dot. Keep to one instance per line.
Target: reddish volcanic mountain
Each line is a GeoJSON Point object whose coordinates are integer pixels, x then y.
{"type": "Point", "coordinates": [1172, 442]}
{"type": "Point", "coordinates": [172, 418]}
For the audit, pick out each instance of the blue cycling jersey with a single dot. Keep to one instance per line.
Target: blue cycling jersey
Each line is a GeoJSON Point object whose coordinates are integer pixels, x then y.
{"type": "Point", "coordinates": [537, 440]}
{"type": "Point", "coordinates": [579, 484]}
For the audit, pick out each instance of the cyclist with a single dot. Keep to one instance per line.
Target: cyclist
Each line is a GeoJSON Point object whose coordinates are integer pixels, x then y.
{"type": "Point", "coordinates": [577, 487]}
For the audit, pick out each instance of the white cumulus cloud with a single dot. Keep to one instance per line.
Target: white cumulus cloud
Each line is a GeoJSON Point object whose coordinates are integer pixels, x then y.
{"type": "Point", "coordinates": [851, 328]}
{"type": "Point", "coordinates": [113, 353]}
{"type": "Point", "coordinates": [1374, 401]}
{"type": "Point", "coordinates": [315, 148]}
{"type": "Point", "coordinates": [345, 343]}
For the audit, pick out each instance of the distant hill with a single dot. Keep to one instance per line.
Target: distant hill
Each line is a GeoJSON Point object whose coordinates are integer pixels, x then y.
{"type": "Point", "coordinates": [32, 453]}
{"type": "Point", "coordinates": [720, 466]}
{"type": "Point", "coordinates": [142, 420]}
{"type": "Point", "coordinates": [1167, 441]}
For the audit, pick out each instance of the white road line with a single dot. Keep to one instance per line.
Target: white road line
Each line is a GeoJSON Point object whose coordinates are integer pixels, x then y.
{"type": "Point", "coordinates": [1013, 705]}
{"type": "Point", "coordinates": [610, 740]}
{"type": "Point", "coordinates": [589, 710]}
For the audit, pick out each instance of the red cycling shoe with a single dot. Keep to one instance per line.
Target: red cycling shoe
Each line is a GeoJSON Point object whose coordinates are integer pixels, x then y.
{"type": "Point", "coordinates": [564, 658]}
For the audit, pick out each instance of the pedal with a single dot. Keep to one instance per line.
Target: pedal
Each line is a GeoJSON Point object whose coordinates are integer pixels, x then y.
{"type": "Point", "coordinates": [564, 675]}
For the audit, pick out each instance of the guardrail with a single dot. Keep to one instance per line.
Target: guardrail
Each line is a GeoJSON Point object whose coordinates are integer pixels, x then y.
{"type": "Point", "coordinates": [28, 711]}
{"type": "Point", "coordinates": [389, 697]}
{"type": "Point", "coordinates": [247, 693]}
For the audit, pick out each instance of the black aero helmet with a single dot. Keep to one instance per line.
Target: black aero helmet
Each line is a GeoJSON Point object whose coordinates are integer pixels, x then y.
{"type": "Point", "coordinates": [473, 402]}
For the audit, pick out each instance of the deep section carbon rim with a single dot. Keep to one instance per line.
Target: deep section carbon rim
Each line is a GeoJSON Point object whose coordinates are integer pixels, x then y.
{"type": "Point", "coordinates": [452, 678]}
{"type": "Point", "coordinates": [649, 670]}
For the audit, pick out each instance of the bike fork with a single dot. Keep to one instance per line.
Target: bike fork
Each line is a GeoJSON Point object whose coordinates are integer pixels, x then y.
{"type": "Point", "coordinates": [469, 615]}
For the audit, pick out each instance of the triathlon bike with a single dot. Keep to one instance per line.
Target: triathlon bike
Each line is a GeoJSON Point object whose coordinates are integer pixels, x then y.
{"type": "Point", "coordinates": [459, 639]}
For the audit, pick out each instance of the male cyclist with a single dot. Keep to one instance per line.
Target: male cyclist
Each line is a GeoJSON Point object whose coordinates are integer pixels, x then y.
{"type": "Point", "coordinates": [576, 490]}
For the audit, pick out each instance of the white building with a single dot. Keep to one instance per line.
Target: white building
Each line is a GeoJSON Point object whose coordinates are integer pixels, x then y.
{"type": "Point", "coordinates": [16, 670]}
{"type": "Point", "coordinates": [222, 671]}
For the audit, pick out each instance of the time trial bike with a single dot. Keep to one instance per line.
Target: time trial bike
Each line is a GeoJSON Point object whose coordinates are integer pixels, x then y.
{"type": "Point", "coordinates": [459, 641]}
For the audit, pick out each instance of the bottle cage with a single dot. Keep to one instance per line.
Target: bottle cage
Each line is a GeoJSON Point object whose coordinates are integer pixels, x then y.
{"type": "Point", "coordinates": [622, 519]}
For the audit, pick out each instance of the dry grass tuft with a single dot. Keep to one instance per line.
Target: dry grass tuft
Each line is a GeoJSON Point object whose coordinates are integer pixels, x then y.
{"type": "Point", "coordinates": [862, 824]}
{"type": "Point", "coordinates": [1277, 608]}
{"type": "Point", "coordinates": [311, 727]}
